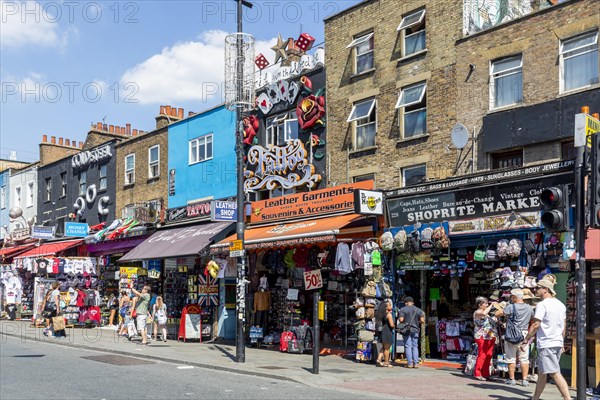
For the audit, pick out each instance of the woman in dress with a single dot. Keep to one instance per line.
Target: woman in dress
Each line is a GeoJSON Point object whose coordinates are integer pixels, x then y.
{"type": "Point", "coordinates": [159, 316]}
{"type": "Point", "coordinates": [386, 322]}
{"type": "Point", "coordinates": [485, 337]}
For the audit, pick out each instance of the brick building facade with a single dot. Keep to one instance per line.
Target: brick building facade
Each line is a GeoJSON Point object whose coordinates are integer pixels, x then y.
{"type": "Point", "coordinates": [142, 167]}
{"type": "Point", "coordinates": [430, 65]}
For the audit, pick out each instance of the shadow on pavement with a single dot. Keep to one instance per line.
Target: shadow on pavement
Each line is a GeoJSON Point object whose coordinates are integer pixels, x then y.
{"type": "Point", "coordinates": [226, 352]}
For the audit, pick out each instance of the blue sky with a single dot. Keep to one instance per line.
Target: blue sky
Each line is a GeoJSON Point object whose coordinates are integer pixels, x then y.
{"type": "Point", "coordinates": [67, 64]}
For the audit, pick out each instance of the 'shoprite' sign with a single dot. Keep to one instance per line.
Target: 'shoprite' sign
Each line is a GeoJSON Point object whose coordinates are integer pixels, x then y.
{"type": "Point", "coordinates": [470, 203]}
{"type": "Point", "coordinates": [326, 201]}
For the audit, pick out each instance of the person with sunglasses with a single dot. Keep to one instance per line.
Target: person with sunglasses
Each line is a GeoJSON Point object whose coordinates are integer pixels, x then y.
{"type": "Point", "coordinates": [548, 327]}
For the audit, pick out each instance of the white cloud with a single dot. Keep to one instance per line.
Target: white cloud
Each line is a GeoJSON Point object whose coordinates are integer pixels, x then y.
{"type": "Point", "coordinates": [186, 71]}
{"type": "Point", "coordinates": [28, 22]}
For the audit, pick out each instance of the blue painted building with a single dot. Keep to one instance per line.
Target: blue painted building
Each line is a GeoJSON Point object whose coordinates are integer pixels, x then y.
{"type": "Point", "coordinates": [202, 157]}
{"type": "Point", "coordinates": [202, 167]}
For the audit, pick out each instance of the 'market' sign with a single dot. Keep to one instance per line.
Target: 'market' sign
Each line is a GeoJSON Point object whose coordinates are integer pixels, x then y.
{"type": "Point", "coordinates": [469, 203]}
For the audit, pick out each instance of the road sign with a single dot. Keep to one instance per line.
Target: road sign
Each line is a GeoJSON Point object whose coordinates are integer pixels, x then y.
{"type": "Point", "coordinates": [236, 248]}
{"type": "Point", "coordinates": [313, 280]}
{"type": "Point", "coordinates": [585, 127]}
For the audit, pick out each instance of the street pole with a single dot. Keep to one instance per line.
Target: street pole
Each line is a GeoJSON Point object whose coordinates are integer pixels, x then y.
{"type": "Point", "coordinates": [240, 308]}
{"type": "Point", "coordinates": [580, 273]}
{"type": "Point", "coordinates": [316, 334]}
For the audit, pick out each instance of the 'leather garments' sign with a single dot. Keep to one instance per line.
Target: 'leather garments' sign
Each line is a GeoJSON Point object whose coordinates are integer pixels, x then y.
{"type": "Point", "coordinates": [472, 203]}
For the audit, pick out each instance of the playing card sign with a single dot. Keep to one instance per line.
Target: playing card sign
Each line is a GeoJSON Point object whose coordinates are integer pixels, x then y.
{"type": "Point", "coordinates": [264, 103]}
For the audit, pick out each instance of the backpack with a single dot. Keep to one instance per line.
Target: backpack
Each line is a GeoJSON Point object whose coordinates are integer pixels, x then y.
{"type": "Point", "coordinates": [426, 238]}
{"type": "Point", "coordinates": [387, 241]}
{"type": "Point", "coordinates": [440, 239]}
{"type": "Point", "coordinates": [514, 248]}
{"type": "Point", "coordinates": [414, 241]}
{"type": "Point", "coordinates": [401, 241]}
{"type": "Point", "coordinates": [502, 248]}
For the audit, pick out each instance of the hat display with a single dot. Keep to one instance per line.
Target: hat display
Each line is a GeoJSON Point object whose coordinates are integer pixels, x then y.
{"type": "Point", "coordinates": [517, 292]}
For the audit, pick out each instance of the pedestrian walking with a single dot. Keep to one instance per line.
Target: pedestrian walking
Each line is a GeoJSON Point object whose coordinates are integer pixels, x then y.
{"type": "Point", "coordinates": [384, 319]}
{"type": "Point", "coordinates": [485, 337]}
{"type": "Point", "coordinates": [518, 316]}
{"type": "Point", "coordinates": [142, 301]}
{"type": "Point", "coordinates": [113, 306]}
{"type": "Point", "coordinates": [159, 315]}
{"type": "Point", "coordinates": [51, 307]}
{"type": "Point", "coordinates": [414, 317]}
{"type": "Point", "coordinates": [549, 329]}
{"type": "Point", "coordinates": [124, 312]}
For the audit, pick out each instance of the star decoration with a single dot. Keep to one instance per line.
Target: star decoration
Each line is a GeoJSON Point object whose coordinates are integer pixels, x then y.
{"type": "Point", "coordinates": [280, 49]}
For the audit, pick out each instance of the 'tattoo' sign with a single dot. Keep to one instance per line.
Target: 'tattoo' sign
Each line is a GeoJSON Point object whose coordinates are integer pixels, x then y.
{"type": "Point", "coordinates": [313, 280]}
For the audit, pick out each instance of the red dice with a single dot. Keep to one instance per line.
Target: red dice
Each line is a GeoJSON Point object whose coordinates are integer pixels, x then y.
{"type": "Point", "coordinates": [305, 42]}
{"type": "Point", "coordinates": [261, 61]}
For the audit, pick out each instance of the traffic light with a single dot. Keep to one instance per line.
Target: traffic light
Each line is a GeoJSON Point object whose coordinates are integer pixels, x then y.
{"type": "Point", "coordinates": [555, 208]}
{"type": "Point", "coordinates": [595, 189]}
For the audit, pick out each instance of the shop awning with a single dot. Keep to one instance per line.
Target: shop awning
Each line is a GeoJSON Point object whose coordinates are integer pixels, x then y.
{"type": "Point", "coordinates": [50, 249]}
{"type": "Point", "coordinates": [177, 242]}
{"type": "Point", "coordinates": [7, 252]}
{"type": "Point", "coordinates": [297, 233]}
{"type": "Point", "coordinates": [592, 245]}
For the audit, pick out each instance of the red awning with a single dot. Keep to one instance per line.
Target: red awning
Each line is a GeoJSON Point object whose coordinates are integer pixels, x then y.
{"type": "Point", "coordinates": [7, 252]}
{"type": "Point", "coordinates": [592, 245]}
{"type": "Point", "coordinates": [50, 249]}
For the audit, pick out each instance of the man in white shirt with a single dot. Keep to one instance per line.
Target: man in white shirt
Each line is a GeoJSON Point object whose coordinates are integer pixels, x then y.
{"type": "Point", "coordinates": [549, 325]}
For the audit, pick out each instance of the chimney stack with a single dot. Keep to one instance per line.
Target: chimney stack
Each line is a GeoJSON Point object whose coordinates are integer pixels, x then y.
{"type": "Point", "coordinates": [168, 110]}
{"type": "Point", "coordinates": [53, 139]}
{"type": "Point", "coordinates": [105, 127]}
{"type": "Point", "coordinates": [99, 126]}
{"type": "Point", "coordinates": [128, 129]}
{"type": "Point", "coordinates": [180, 113]}
{"type": "Point", "coordinates": [162, 110]}
{"type": "Point", "coordinates": [111, 128]}
{"type": "Point", "coordinates": [67, 143]}
{"type": "Point", "coordinates": [81, 145]}
{"type": "Point", "coordinates": [60, 141]}
{"type": "Point", "coordinates": [44, 138]}
{"type": "Point", "coordinates": [73, 143]}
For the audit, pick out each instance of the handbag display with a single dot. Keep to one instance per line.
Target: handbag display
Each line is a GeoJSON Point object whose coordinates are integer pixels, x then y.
{"type": "Point", "coordinates": [366, 336]}
{"type": "Point", "coordinates": [370, 289]}
{"type": "Point", "coordinates": [480, 253]}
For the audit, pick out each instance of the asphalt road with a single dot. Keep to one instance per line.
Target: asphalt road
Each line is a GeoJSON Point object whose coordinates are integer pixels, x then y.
{"type": "Point", "coordinates": [34, 370]}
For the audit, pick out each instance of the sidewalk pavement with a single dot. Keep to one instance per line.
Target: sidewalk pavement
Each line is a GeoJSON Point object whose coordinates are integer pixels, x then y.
{"type": "Point", "coordinates": [335, 372]}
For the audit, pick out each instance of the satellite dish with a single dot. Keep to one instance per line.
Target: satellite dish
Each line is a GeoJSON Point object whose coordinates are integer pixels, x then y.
{"type": "Point", "coordinates": [460, 136]}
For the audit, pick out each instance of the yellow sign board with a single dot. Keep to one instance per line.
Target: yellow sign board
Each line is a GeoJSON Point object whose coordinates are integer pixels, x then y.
{"type": "Point", "coordinates": [592, 127]}
{"type": "Point", "coordinates": [236, 245]}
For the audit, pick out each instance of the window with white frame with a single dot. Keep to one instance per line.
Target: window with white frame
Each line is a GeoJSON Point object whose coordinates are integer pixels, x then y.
{"type": "Point", "coordinates": [154, 161]}
{"type": "Point", "coordinates": [63, 184]}
{"type": "Point", "coordinates": [103, 176]}
{"type": "Point", "coordinates": [506, 81]}
{"type": "Point", "coordinates": [281, 129]}
{"type": "Point", "coordinates": [412, 108]}
{"type": "Point", "coordinates": [278, 192]}
{"type": "Point", "coordinates": [29, 194]}
{"type": "Point", "coordinates": [414, 175]}
{"type": "Point", "coordinates": [364, 118]}
{"type": "Point", "coordinates": [48, 192]}
{"type": "Point", "coordinates": [363, 46]}
{"type": "Point", "coordinates": [18, 196]}
{"type": "Point", "coordinates": [579, 61]}
{"type": "Point", "coordinates": [3, 197]}
{"type": "Point", "coordinates": [82, 182]}
{"type": "Point", "coordinates": [129, 169]}
{"type": "Point", "coordinates": [201, 149]}
{"type": "Point", "coordinates": [412, 29]}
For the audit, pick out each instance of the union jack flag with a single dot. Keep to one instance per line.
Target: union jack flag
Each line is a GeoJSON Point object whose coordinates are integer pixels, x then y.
{"type": "Point", "coordinates": [208, 291]}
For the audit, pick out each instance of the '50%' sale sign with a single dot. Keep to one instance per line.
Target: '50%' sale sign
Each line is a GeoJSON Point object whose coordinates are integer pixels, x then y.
{"type": "Point", "coordinates": [313, 280]}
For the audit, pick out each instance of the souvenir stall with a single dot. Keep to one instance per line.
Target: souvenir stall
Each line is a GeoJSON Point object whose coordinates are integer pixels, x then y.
{"type": "Point", "coordinates": [450, 246]}
{"type": "Point", "coordinates": [176, 262]}
{"type": "Point", "coordinates": [288, 260]}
